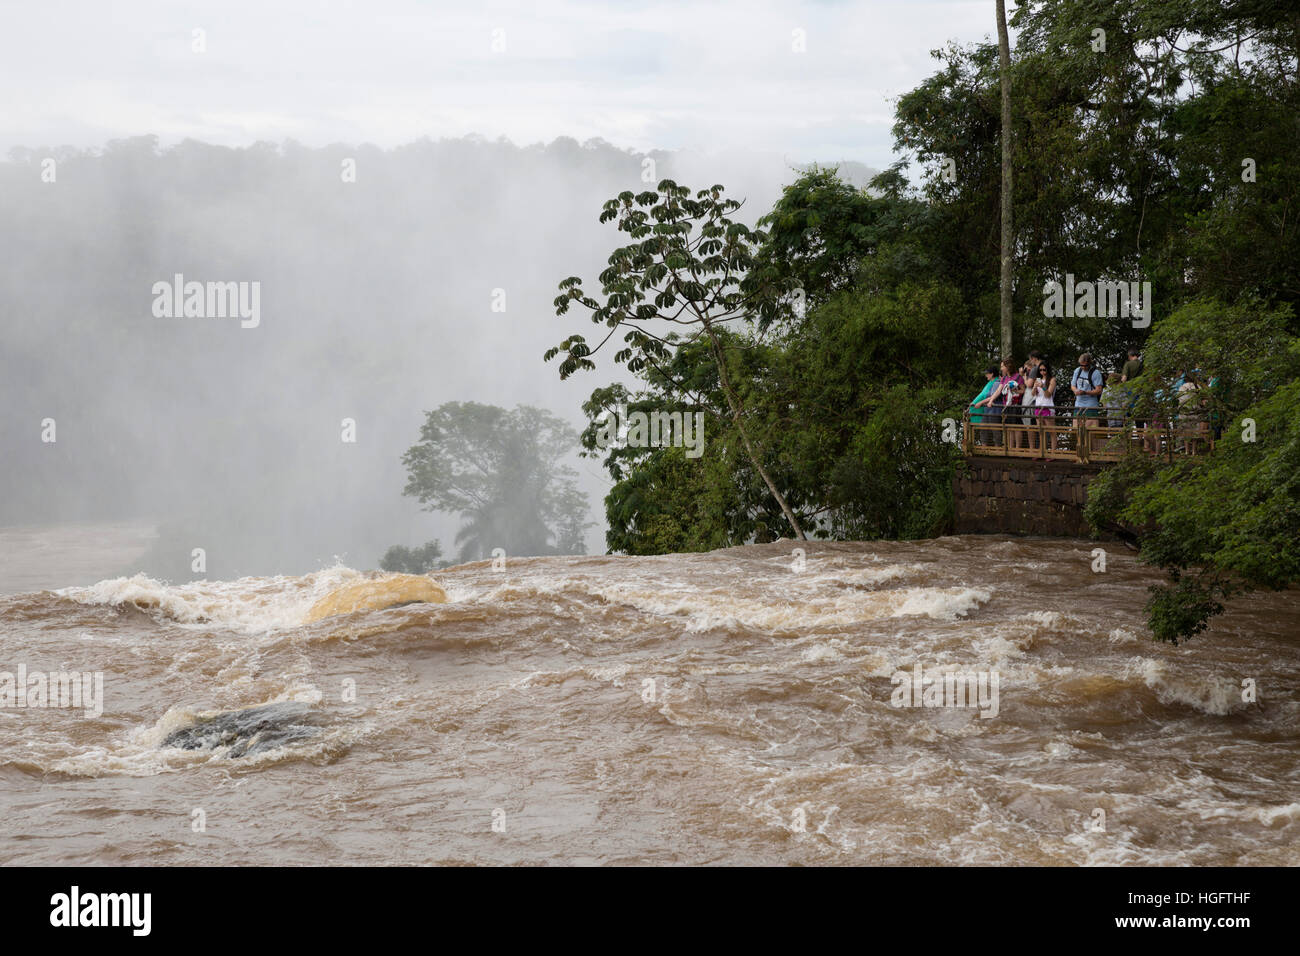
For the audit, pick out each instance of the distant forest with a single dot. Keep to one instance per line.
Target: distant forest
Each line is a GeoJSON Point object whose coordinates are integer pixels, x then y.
{"type": "Point", "coordinates": [377, 301]}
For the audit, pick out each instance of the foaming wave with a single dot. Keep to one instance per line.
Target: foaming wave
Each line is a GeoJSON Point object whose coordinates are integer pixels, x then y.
{"type": "Point", "coordinates": [140, 751]}
{"type": "Point", "coordinates": [1121, 635]}
{"type": "Point", "coordinates": [1278, 816]}
{"type": "Point", "coordinates": [941, 604]}
{"type": "Point", "coordinates": [870, 576]}
{"type": "Point", "coordinates": [1014, 638]}
{"type": "Point", "coordinates": [1271, 817]}
{"type": "Point", "coordinates": [786, 612]}
{"type": "Point", "coordinates": [614, 674]}
{"type": "Point", "coordinates": [1210, 695]}
{"type": "Point", "coordinates": [246, 606]}
{"type": "Point", "coordinates": [820, 652]}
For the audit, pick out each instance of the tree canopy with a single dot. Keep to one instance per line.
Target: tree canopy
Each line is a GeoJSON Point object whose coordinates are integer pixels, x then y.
{"type": "Point", "coordinates": [427, 557]}
{"type": "Point", "coordinates": [503, 472]}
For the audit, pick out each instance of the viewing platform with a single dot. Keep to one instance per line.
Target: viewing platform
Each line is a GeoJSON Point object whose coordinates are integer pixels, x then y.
{"type": "Point", "coordinates": [1032, 477]}
{"type": "Point", "coordinates": [1104, 435]}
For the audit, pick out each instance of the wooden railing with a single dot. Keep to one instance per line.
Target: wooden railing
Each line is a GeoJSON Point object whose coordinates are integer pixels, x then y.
{"type": "Point", "coordinates": [1105, 434]}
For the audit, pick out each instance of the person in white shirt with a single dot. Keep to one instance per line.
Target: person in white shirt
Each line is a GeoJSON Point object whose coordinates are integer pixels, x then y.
{"type": "Point", "coordinates": [1040, 392]}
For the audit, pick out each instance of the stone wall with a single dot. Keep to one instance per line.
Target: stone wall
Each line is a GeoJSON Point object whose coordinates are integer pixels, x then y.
{"type": "Point", "coordinates": [1015, 496]}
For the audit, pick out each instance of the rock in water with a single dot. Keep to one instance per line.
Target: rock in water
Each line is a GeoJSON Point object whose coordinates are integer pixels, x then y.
{"type": "Point", "coordinates": [374, 594]}
{"type": "Point", "coordinates": [248, 732]}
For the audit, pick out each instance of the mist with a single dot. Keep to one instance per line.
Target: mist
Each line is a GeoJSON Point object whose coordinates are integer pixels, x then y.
{"type": "Point", "coordinates": [389, 281]}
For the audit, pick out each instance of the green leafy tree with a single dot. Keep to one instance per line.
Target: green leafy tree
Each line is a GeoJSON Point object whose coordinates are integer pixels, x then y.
{"type": "Point", "coordinates": [817, 234]}
{"type": "Point", "coordinates": [664, 500]}
{"type": "Point", "coordinates": [686, 270]}
{"type": "Point", "coordinates": [1152, 140]}
{"type": "Point", "coordinates": [427, 557]}
{"type": "Point", "coordinates": [1228, 522]}
{"type": "Point", "coordinates": [503, 473]}
{"type": "Point", "coordinates": [860, 393]}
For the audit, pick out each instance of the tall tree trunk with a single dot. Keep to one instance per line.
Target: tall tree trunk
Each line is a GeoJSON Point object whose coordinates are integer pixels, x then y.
{"type": "Point", "coordinates": [733, 402]}
{"type": "Point", "coordinates": [1004, 68]}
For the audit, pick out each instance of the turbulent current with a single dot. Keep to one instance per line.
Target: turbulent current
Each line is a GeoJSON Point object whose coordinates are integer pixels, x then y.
{"type": "Point", "coordinates": [733, 707]}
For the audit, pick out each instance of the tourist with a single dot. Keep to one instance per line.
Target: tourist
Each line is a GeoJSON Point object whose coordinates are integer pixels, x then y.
{"type": "Point", "coordinates": [1036, 359]}
{"type": "Point", "coordinates": [1214, 402]}
{"type": "Point", "coordinates": [1041, 394]}
{"type": "Point", "coordinates": [1114, 397]}
{"type": "Point", "coordinates": [1011, 386]}
{"type": "Point", "coordinates": [984, 400]}
{"type": "Point", "coordinates": [1190, 412]}
{"type": "Point", "coordinates": [1133, 367]}
{"type": "Point", "coordinates": [1086, 383]}
{"type": "Point", "coordinates": [1028, 372]}
{"type": "Point", "coordinates": [1162, 416]}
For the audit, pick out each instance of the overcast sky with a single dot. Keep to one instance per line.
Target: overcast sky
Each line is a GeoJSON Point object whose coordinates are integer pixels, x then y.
{"type": "Point", "coordinates": [669, 75]}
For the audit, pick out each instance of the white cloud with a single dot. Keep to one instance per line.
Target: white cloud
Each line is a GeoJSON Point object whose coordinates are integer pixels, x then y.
{"type": "Point", "coordinates": [676, 74]}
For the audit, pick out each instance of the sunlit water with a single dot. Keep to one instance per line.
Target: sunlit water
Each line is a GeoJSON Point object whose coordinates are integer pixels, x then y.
{"type": "Point", "coordinates": [713, 708]}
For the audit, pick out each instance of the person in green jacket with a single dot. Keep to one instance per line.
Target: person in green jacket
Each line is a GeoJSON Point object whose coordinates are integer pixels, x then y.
{"type": "Point", "coordinates": [1133, 367]}
{"type": "Point", "coordinates": [985, 399]}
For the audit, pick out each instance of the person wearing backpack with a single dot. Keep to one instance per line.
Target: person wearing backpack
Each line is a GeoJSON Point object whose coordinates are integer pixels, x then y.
{"type": "Point", "coordinates": [1086, 383]}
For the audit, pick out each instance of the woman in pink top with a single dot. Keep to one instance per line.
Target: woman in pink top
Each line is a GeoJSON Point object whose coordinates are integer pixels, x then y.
{"type": "Point", "coordinates": [1007, 398]}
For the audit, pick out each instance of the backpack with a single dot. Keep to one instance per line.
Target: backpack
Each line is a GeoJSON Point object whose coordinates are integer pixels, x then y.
{"type": "Point", "coordinates": [1092, 382]}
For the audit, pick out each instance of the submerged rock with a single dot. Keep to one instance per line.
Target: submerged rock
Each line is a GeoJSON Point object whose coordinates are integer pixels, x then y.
{"type": "Point", "coordinates": [249, 732]}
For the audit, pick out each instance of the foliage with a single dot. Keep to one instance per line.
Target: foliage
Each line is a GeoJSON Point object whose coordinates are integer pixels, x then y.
{"type": "Point", "coordinates": [818, 233]}
{"type": "Point", "coordinates": [684, 269]}
{"type": "Point", "coordinates": [691, 267]}
{"type": "Point", "coordinates": [421, 560]}
{"type": "Point", "coordinates": [661, 499]}
{"type": "Point", "coordinates": [857, 320]}
{"type": "Point", "coordinates": [1227, 522]}
{"type": "Point", "coordinates": [502, 472]}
